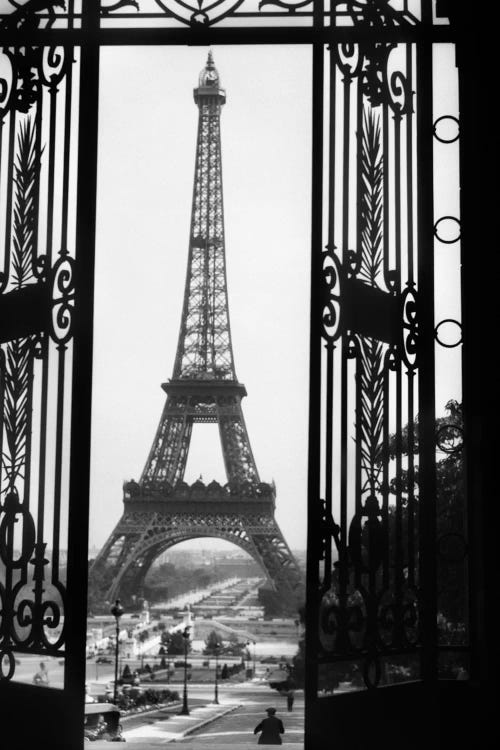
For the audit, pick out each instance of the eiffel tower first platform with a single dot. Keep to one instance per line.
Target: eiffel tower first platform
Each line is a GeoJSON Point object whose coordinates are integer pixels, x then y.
{"type": "Point", "coordinates": [161, 510]}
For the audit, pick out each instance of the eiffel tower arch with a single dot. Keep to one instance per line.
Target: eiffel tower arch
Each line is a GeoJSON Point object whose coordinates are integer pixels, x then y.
{"type": "Point", "coordinates": [161, 510]}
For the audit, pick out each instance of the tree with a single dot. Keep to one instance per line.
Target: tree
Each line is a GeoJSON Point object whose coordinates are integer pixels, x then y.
{"type": "Point", "coordinates": [212, 642]}
{"type": "Point", "coordinates": [176, 644]}
{"type": "Point", "coordinates": [450, 512]}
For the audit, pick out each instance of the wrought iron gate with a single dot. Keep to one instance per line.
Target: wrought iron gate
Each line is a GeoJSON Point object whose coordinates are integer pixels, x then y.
{"type": "Point", "coordinates": [375, 585]}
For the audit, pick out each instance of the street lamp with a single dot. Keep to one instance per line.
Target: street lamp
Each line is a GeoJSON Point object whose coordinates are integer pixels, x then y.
{"type": "Point", "coordinates": [185, 636]}
{"type": "Point", "coordinates": [167, 641]}
{"type": "Point", "coordinates": [247, 655]}
{"type": "Point", "coordinates": [217, 645]}
{"type": "Point", "coordinates": [117, 612]}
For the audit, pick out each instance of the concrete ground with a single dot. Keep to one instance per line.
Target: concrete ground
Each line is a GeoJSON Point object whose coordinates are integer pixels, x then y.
{"type": "Point", "coordinates": [217, 727]}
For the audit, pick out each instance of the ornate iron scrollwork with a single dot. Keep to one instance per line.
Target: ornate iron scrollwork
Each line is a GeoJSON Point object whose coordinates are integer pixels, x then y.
{"type": "Point", "coordinates": [36, 284]}
{"type": "Point", "coordinates": [63, 298]}
{"type": "Point", "coordinates": [331, 294]}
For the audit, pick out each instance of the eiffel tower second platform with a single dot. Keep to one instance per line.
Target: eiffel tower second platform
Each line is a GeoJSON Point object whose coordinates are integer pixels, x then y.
{"type": "Point", "coordinates": [161, 510]}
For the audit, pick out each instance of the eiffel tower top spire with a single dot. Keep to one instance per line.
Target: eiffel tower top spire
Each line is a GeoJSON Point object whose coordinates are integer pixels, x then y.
{"type": "Point", "coordinates": [204, 350]}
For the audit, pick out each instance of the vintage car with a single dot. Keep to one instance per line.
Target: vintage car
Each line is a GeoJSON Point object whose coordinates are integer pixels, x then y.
{"type": "Point", "coordinates": [102, 722]}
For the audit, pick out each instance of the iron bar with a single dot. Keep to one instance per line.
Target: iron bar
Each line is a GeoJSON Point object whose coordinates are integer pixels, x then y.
{"type": "Point", "coordinates": [80, 430]}
{"type": "Point", "coordinates": [104, 37]}
{"type": "Point", "coordinates": [427, 468]}
{"type": "Point", "coordinates": [314, 525]}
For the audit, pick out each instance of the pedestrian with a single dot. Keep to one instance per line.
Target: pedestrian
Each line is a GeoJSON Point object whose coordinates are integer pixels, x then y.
{"type": "Point", "coordinates": [270, 729]}
{"type": "Point", "coordinates": [289, 699]}
{"type": "Point", "coordinates": [42, 676]}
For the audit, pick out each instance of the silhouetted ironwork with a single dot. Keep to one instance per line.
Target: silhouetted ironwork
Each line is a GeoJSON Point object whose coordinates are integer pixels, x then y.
{"type": "Point", "coordinates": [36, 309]}
{"type": "Point", "coordinates": [376, 322]}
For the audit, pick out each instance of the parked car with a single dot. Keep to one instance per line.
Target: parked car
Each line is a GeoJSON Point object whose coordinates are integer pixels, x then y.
{"type": "Point", "coordinates": [103, 660]}
{"type": "Point", "coordinates": [102, 722]}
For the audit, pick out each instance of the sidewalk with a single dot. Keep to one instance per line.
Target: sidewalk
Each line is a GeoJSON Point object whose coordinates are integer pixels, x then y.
{"type": "Point", "coordinates": [176, 726]}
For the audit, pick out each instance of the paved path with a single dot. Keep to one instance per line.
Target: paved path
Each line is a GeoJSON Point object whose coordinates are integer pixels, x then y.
{"type": "Point", "coordinates": [236, 728]}
{"type": "Point", "coordinates": [229, 724]}
{"type": "Point", "coordinates": [174, 727]}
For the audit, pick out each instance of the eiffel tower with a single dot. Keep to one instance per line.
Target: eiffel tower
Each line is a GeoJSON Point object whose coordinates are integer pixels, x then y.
{"type": "Point", "coordinates": [161, 510]}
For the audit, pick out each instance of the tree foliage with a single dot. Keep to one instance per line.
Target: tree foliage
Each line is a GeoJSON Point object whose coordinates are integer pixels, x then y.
{"type": "Point", "coordinates": [449, 505]}
{"type": "Point", "coordinates": [213, 641]}
{"type": "Point", "coordinates": [176, 644]}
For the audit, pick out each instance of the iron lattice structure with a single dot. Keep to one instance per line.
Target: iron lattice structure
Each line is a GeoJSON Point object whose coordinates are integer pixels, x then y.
{"type": "Point", "coordinates": [161, 509]}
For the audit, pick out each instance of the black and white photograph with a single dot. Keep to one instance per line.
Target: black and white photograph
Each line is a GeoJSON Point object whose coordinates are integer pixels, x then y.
{"type": "Point", "coordinates": [247, 482]}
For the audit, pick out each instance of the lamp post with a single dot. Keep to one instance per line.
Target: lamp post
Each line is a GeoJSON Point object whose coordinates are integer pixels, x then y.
{"type": "Point", "coordinates": [185, 709]}
{"type": "Point", "coordinates": [216, 692]}
{"type": "Point", "coordinates": [117, 612]}
{"type": "Point", "coordinates": [247, 656]}
{"type": "Point", "coordinates": [167, 645]}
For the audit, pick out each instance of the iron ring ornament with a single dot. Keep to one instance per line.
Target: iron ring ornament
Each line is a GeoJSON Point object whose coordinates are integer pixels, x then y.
{"type": "Point", "coordinates": [442, 123]}
{"type": "Point", "coordinates": [63, 299]}
{"type": "Point", "coordinates": [449, 438]}
{"type": "Point", "coordinates": [331, 287]}
{"type": "Point", "coordinates": [444, 240]}
{"type": "Point", "coordinates": [7, 674]}
{"type": "Point", "coordinates": [449, 323]}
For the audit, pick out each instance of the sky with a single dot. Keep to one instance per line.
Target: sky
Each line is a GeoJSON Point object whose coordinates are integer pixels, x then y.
{"type": "Point", "coordinates": [147, 140]}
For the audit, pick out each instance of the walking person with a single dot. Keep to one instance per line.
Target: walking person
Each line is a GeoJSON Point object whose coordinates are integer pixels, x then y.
{"type": "Point", "coordinates": [290, 698]}
{"type": "Point", "coordinates": [270, 728]}
{"type": "Point", "coordinates": [42, 676]}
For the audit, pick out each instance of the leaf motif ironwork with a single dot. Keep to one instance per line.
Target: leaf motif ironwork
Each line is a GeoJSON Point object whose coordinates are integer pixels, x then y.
{"type": "Point", "coordinates": [26, 180]}
{"type": "Point", "coordinates": [371, 418]}
{"type": "Point", "coordinates": [372, 197]}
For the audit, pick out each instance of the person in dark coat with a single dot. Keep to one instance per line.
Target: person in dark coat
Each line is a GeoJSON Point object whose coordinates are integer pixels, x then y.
{"type": "Point", "coordinates": [270, 729]}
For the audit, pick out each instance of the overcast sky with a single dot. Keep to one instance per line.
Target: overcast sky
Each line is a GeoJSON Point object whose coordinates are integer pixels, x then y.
{"type": "Point", "coordinates": [148, 126]}
{"type": "Point", "coordinates": [147, 141]}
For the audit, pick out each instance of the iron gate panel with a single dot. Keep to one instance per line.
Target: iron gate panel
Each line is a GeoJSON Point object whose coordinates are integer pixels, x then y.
{"type": "Point", "coordinates": [39, 87]}
{"type": "Point", "coordinates": [388, 610]}
{"type": "Point", "coordinates": [369, 607]}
